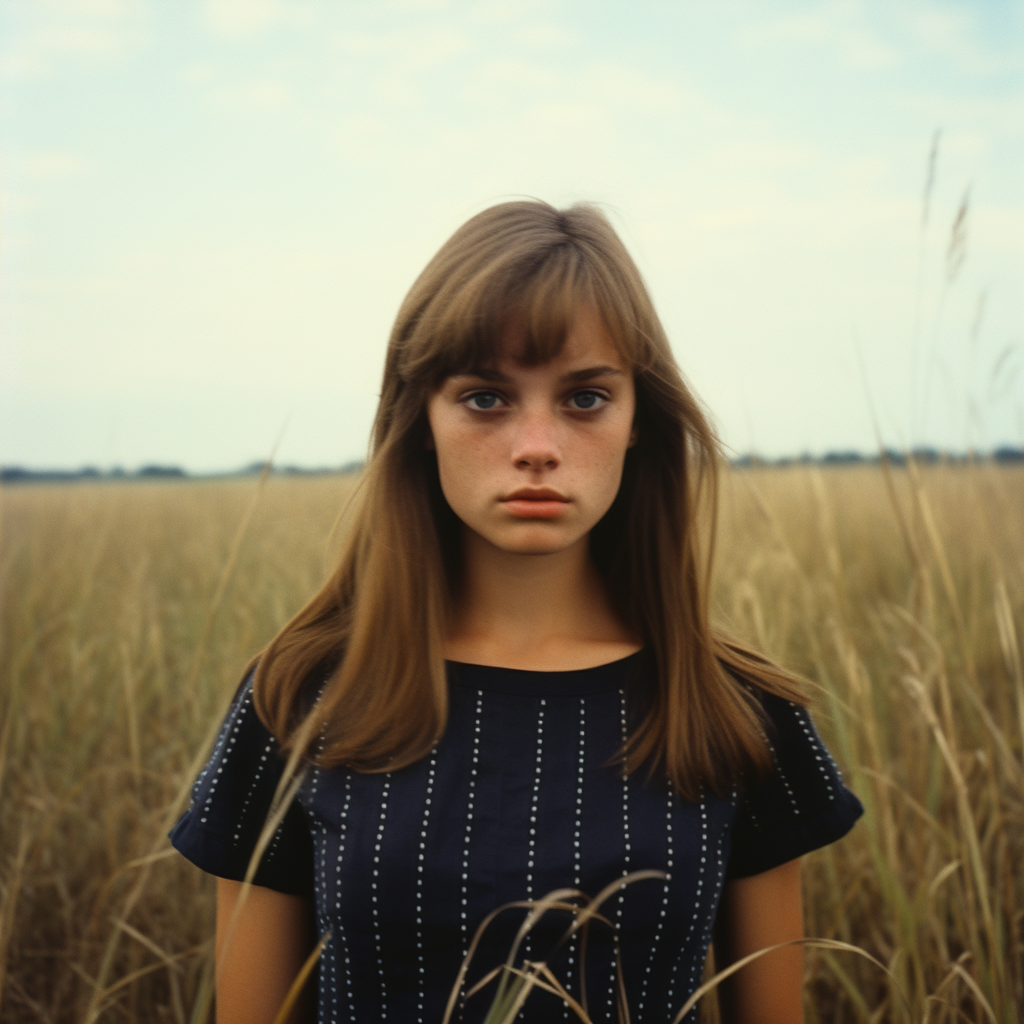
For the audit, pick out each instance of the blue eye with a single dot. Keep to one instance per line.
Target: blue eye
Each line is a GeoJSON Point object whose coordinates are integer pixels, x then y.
{"type": "Point", "coordinates": [587, 400]}
{"type": "Point", "coordinates": [482, 400]}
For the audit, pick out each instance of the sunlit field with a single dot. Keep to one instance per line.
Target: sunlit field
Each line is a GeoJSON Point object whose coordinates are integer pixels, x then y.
{"type": "Point", "coordinates": [128, 611]}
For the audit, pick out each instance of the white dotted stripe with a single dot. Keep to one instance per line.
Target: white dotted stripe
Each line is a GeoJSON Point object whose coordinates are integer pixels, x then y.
{"type": "Point", "coordinates": [821, 754]}
{"type": "Point", "coordinates": [374, 905]}
{"type": "Point", "coordinates": [624, 730]}
{"type": "Point", "coordinates": [232, 722]}
{"type": "Point", "coordinates": [577, 866]}
{"type": "Point", "coordinates": [782, 778]}
{"type": "Point", "coordinates": [701, 882]}
{"type": "Point", "coordinates": [421, 966]}
{"type": "Point", "coordinates": [531, 846]}
{"type": "Point", "coordinates": [275, 842]}
{"type": "Point", "coordinates": [221, 752]}
{"type": "Point", "coordinates": [464, 908]}
{"type": "Point", "coordinates": [268, 752]}
{"type": "Point", "coordinates": [307, 796]}
{"type": "Point", "coordinates": [320, 881]}
{"type": "Point", "coordinates": [534, 802]}
{"type": "Point", "coordinates": [662, 914]}
{"type": "Point", "coordinates": [578, 821]}
{"type": "Point", "coordinates": [701, 876]}
{"type": "Point", "coordinates": [794, 806]}
{"type": "Point", "coordinates": [271, 849]}
{"type": "Point", "coordinates": [339, 939]}
{"type": "Point", "coordinates": [323, 923]}
{"type": "Point", "coordinates": [716, 895]}
{"type": "Point", "coordinates": [328, 965]}
{"type": "Point", "coordinates": [699, 952]}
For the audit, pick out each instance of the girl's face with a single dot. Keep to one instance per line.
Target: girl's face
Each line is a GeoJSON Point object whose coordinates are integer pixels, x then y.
{"type": "Point", "coordinates": [530, 457]}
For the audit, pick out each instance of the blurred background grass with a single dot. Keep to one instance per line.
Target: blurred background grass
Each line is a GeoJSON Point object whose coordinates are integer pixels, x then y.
{"type": "Point", "coordinates": [129, 609]}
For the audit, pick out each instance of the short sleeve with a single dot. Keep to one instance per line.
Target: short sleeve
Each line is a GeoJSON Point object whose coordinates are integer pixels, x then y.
{"type": "Point", "coordinates": [230, 801]}
{"type": "Point", "coordinates": [800, 806]}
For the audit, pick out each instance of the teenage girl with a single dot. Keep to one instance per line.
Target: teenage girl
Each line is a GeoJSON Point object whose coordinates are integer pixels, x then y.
{"type": "Point", "coordinates": [510, 684]}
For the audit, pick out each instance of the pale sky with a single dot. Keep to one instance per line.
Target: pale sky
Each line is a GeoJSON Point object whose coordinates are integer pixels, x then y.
{"type": "Point", "coordinates": [211, 211]}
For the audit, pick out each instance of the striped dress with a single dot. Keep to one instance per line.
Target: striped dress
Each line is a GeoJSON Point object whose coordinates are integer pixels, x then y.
{"type": "Point", "coordinates": [519, 798]}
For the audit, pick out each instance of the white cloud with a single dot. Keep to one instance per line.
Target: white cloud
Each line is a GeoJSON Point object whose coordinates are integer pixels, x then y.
{"type": "Point", "coordinates": [872, 35]}
{"type": "Point", "coordinates": [23, 64]}
{"type": "Point", "coordinates": [49, 32]}
{"type": "Point", "coordinates": [414, 48]}
{"type": "Point", "coordinates": [248, 18]}
{"type": "Point", "coordinates": [33, 176]}
{"type": "Point", "coordinates": [260, 96]}
{"type": "Point", "coordinates": [241, 17]}
{"type": "Point", "coordinates": [361, 136]}
{"type": "Point", "coordinates": [90, 9]}
{"type": "Point", "coordinates": [806, 28]}
{"type": "Point", "coordinates": [199, 74]}
{"type": "Point", "coordinates": [839, 27]}
{"type": "Point", "coordinates": [999, 230]}
{"type": "Point", "coordinates": [265, 95]}
{"type": "Point", "coordinates": [952, 33]}
{"type": "Point", "coordinates": [632, 88]}
{"type": "Point", "coordinates": [547, 36]}
{"type": "Point", "coordinates": [415, 6]}
{"type": "Point", "coordinates": [860, 50]}
{"type": "Point", "coordinates": [516, 73]}
{"type": "Point", "coordinates": [48, 165]}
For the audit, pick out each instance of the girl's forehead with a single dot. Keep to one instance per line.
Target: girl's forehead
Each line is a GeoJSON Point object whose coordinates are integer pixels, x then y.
{"type": "Point", "coordinates": [518, 340]}
{"type": "Point", "coordinates": [587, 340]}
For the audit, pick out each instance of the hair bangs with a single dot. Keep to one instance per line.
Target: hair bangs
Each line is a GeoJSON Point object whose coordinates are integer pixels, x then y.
{"type": "Point", "coordinates": [540, 314]}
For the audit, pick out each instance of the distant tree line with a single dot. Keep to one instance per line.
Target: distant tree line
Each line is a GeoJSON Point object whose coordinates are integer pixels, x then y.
{"type": "Point", "coordinates": [19, 474]}
{"type": "Point", "coordinates": [922, 456]}
{"type": "Point", "coordinates": [23, 474]}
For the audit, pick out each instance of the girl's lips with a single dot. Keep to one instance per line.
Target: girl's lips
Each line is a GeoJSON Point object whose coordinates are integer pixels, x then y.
{"type": "Point", "coordinates": [535, 508]}
{"type": "Point", "coordinates": [536, 503]}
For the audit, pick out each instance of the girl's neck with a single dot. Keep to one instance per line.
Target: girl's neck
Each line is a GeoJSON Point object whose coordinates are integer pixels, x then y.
{"type": "Point", "coordinates": [543, 612]}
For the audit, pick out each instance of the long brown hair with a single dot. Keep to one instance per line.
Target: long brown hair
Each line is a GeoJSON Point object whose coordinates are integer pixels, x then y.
{"type": "Point", "coordinates": [376, 630]}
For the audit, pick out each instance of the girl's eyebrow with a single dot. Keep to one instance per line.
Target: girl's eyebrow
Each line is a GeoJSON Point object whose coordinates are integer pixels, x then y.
{"type": "Point", "coordinates": [590, 372]}
{"type": "Point", "coordinates": [482, 373]}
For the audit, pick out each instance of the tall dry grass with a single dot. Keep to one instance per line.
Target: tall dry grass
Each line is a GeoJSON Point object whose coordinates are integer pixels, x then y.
{"type": "Point", "coordinates": [128, 610]}
{"type": "Point", "coordinates": [900, 594]}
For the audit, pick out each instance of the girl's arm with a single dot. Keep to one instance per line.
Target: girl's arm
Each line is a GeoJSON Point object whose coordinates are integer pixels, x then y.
{"type": "Point", "coordinates": [756, 912]}
{"type": "Point", "coordinates": [263, 954]}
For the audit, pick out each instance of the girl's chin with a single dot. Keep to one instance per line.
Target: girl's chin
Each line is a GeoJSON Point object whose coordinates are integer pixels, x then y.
{"type": "Point", "coordinates": [534, 537]}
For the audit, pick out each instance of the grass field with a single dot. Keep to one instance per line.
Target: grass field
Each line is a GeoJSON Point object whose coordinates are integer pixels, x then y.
{"type": "Point", "coordinates": [129, 609]}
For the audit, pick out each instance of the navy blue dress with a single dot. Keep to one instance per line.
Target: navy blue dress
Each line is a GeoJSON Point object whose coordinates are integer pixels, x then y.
{"type": "Point", "coordinates": [519, 798]}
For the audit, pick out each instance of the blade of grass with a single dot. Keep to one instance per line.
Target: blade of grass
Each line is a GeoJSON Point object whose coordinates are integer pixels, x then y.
{"type": "Point", "coordinates": [819, 943]}
{"type": "Point", "coordinates": [968, 826]}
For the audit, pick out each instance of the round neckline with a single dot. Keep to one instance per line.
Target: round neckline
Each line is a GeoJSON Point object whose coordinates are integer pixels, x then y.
{"type": "Point", "coordinates": [573, 682]}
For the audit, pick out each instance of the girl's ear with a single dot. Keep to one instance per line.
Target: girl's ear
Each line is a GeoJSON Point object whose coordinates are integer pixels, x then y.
{"type": "Point", "coordinates": [633, 435]}
{"type": "Point", "coordinates": [428, 440]}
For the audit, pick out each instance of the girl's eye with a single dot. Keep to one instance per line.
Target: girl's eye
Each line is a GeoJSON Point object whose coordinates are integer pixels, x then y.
{"type": "Point", "coordinates": [483, 401]}
{"type": "Point", "coordinates": [587, 400]}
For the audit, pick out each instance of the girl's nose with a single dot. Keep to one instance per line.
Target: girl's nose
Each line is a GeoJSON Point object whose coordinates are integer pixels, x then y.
{"type": "Point", "coordinates": [536, 444]}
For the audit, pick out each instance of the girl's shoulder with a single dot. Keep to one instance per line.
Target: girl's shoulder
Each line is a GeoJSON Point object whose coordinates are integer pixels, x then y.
{"type": "Point", "coordinates": [230, 801]}
{"type": "Point", "coordinates": [801, 805]}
